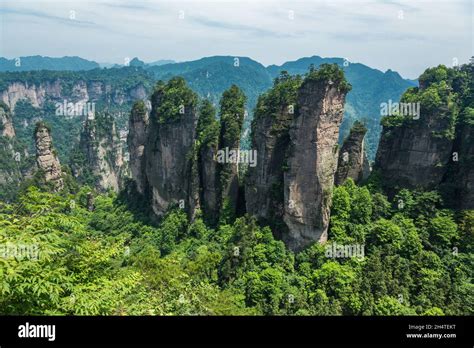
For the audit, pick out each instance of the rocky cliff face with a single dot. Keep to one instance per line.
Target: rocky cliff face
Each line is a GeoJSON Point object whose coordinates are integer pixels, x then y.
{"type": "Point", "coordinates": [6, 122]}
{"type": "Point", "coordinates": [415, 150]}
{"type": "Point", "coordinates": [46, 158]}
{"type": "Point", "coordinates": [435, 150]}
{"type": "Point", "coordinates": [232, 111]}
{"type": "Point", "coordinates": [169, 147]}
{"type": "Point", "coordinates": [312, 156]}
{"type": "Point", "coordinates": [138, 124]}
{"type": "Point", "coordinates": [295, 133]}
{"type": "Point", "coordinates": [264, 184]}
{"type": "Point", "coordinates": [413, 154]}
{"type": "Point", "coordinates": [80, 91]}
{"type": "Point", "coordinates": [11, 157]}
{"type": "Point", "coordinates": [174, 154]}
{"type": "Point", "coordinates": [102, 150]}
{"type": "Point", "coordinates": [208, 137]}
{"type": "Point", "coordinates": [270, 138]}
{"type": "Point", "coordinates": [466, 166]}
{"type": "Point", "coordinates": [353, 162]}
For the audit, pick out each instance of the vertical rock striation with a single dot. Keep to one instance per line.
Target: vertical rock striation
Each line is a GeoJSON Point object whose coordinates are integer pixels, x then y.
{"type": "Point", "coordinates": [208, 138]}
{"type": "Point", "coordinates": [435, 150]}
{"type": "Point", "coordinates": [138, 123]}
{"type": "Point", "coordinates": [415, 151]}
{"type": "Point", "coordinates": [6, 122]}
{"type": "Point", "coordinates": [12, 155]}
{"type": "Point", "coordinates": [353, 162]}
{"type": "Point", "coordinates": [46, 157]}
{"type": "Point", "coordinates": [232, 111]}
{"type": "Point", "coordinates": [295, 133]}
{"type": "Point", "coordinates": [466, 163]}
{"type": "Point", "coordinates": [101, 150]}
{"type": "Point", "coordinates": [312, 156]}
{"type": "Point", "coordinates": [270, 138]}
{"type": "Point", "coordinates": [169, 147]}
{"type": "Point", "coordinates": [173, 154]}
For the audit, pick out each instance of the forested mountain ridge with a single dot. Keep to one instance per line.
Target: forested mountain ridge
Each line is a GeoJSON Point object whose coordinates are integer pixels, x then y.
{"type": "Point", "coordinates": [403, 253]}
{"type": "Point", "coordinates": [211, 76]}
{"type": "Point", "coordinates": [46, 63]}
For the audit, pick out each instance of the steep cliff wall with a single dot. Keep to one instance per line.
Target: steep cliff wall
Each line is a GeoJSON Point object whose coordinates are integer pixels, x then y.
{"type": "Point", "coordinates": [169, 146]}
{"type": "Point", "coordinates": [312, 156]}
{"type": "Point", "coordinates": [174, 155]}
{"type": "Point", "coordinates": [101, 162]}
{"type": "Point", "coordinates": [232, 111]}
{"type": "Point", "coordinates": [76, 91]}
{"type": "Point", "coordinates": [138, 124]}
{"type": "Point", "coordinates": [295, 133]}
{"type": "Point", "coordinates": [208, 137]}
{"type": "Point", "coordinates": [10, 155]}
{"type": "Point", "coordinates": [6, 122]}
{"type": "Point", "coordinates": [466, 163]}
{"type": "Point", "coordinates": [47, 159]}
{"type": "Point", "coordinates": [415, 150]}
{"type": "Point", "coordinates": [352, 162]}
{"type": "Point", "coordinates": [270, 138]}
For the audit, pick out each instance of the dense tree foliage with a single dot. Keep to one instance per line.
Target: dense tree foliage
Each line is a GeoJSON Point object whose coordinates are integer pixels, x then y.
{"type": "Point", "coordinates": [417, 260]}
{"type": "Point", "coordinates": [68, 254]}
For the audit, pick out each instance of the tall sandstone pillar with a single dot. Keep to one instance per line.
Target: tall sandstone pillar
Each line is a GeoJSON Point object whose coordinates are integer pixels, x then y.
{"type": "Point", "coordinates": [137, 125]}
{"type": "Point", "coordinates": [353, 162]}
{"type": "Point", "coordinates": [295, 133]}
{"type": "Point", "coordinates": [312, 156]}
{"type": "Point", "coordinates": [46, 157]}
{"type": "Point", "coordinates": [169, 147]}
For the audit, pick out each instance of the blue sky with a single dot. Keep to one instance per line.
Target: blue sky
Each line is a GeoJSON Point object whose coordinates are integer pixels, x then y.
{"type": "Point", "coordinates": [403, 35]}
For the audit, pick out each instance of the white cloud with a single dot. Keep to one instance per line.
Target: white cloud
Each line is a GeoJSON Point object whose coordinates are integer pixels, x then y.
{"type": "Point", "coordinates": [376, 33]}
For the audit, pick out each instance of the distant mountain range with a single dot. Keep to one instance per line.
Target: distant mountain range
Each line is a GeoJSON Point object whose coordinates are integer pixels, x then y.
{"type": "Point", "coordinates": [210, 76]}
{"type": "Point", "coordinates": [46, 63]}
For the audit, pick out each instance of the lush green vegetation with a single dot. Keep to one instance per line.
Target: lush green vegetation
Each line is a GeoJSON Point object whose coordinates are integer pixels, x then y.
{"type": "Point", "coordinates": [210, 77]}
{"type": "Point", "coordinates": [418, 260]}
{"type": "Point", "coordinates": [444, 92]}
{"type": "Point", "coordinates": [46, 63]}
{"type": "Point", "coordinates": [109, 258]}
{"type": "Point", "coordinates": [283, 94]}
{"type": "Point", "coordinates": [329, 73]}
{"type": "Point", "coordinates": [172, 100]}
{"type": "Point", "coordinates": [208, 127]}
{"type": "Point", "coordinates": [232, 112]}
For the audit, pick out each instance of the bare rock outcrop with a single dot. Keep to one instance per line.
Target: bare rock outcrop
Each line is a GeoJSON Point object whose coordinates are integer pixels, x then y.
{"type": "Point", "coordinates": [466, 166]}
{"type": "Point", "coordinates": [295, 133]}
{"type": "Point", "coordinates": [312, 156]}
{"type": "Point", "coordinates": [208, 138]}
{"type": "Point", "coordinates": [353, 162]}
{"type": "Point", "coordinates": [174, 152]}
{"type": "Point", "coordinates": [232, 112]}
{"type": "Point", "coordinates": [46, 157]}
{"type": "Point", "coordinates": [101, 150]}
{"type": "Point", "coordinates": [6, 122]}
{"type": "Point", "coordinates": [415, 149]}
{"type": "Point", "coordinates": [72, 90]}
{"type": "Point", "coordinates": [270, 139]}
{"type": "Point", "coordinates": [138, 124]}
{"type": "Point", "coordinates": [169, 147]}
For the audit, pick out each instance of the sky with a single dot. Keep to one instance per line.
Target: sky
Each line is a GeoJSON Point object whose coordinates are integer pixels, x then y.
{"type": "Point", "coordinates": [403, 35]}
